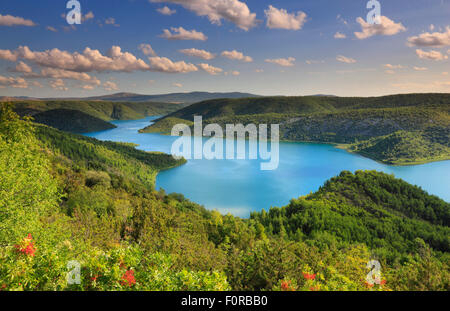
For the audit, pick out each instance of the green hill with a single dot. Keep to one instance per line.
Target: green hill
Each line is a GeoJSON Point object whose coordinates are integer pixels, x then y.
{"type": "Point", "coordinates": [104, 110]}
{"type": "Point", "coordinates": [67, 197]}
{"type": "Point", "coordinates": [337, 120]}
{"type": "Point", "coordinates": [71, 121]}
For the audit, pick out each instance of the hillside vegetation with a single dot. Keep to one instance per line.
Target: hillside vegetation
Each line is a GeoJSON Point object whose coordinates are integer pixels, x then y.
{"type": "Point", "coordinates": [359, 123]}
{"type": "Point", "coordinates": [66, 197]}
{"type": "Point", "coordinates": [71, 121]}
{"type": "Point", "coordinates": [103, 110]}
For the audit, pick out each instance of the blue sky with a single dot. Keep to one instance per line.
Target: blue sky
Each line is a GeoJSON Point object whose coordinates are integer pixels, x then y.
{"type": "Point", "coordinates": [297, 47]}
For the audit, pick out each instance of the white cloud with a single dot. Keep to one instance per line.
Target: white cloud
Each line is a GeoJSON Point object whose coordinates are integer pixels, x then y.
{"type": "Point", "coordinates": [110, 86]}
{"type": "Point", "coordinates": [387, 27]}
{"type": "Point", "coordinates": [339, 35]}
{"type": "Point", "coordinates": [285, 62]}
{"type": "Point", "coordinates": [237, 56]}
{"type": "Point", "coordinates": [22, 67]}
{"type": "Point", "coordinates": [179, 85]}
{"type": "Point", "coordinates": [391, 72]}
{"type": "Point", "coordinates": [420, 68]}
{"type": "Point", "coordinates": [87, 61]}
{"type": "Point", "coordinates": [198, 53]}
{"type": "Point", "coordinates": [111, 21]}
{"type": "Point", "coordinates": [281, 19]}
{"type": "Point", "coordinates": [431, 55]}
{"type": "Point", "coordinates": [234, 11]}
{"type": "Point", "coordinates": [210, 69]}
{"type": "Point", "coordinates": [166, 11]}
{"type": "Point", "coordinates": [87, 16]}
{"type": "Point", "coordinates": [435, 39]}
{"type": "Point", "coordinates": [233, 73]}
{"type": "Point", "coordinates": [147, 49]}
{"type": "Point", "coordinates": [58, 84]}
{"type": "Point", "coordinates": [65, 74]}
{"type": "Point", "coordinates": [163, 64]}
{"type": "Point", "coordinates": [87, 87]}
{"type": "Point", "coordinates": [9, 20]}
{"type": "Point", "coordinates": [347, 60]}
{"type": "Point", "coordinates": [314, 61]}
{"type": "Point", "coordinates": [50, 28]}
{"type": "Point", "coordinates": [259, 70]}
{"type": "Point", "coordinates": [389, 66]}
{"type": "Point", "coordinates": [19, 83]}
{"type": "Point", "coordinates": [182, 34]}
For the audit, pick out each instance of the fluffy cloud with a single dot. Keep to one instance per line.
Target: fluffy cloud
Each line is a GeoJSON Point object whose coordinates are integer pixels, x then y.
{"type": "Point", "coordinates": [390, 66]}
{"type": "Point", "coordinates": [111, 21]}
{"type": "Point", "coordinates": [163, 64]}
{"type": "Point", "coordinates": [110, 86]}
{"type": "Point", "coordinates": [435, 39]}
{"type": "Point", "coordinates": [347, 60]}
{"type": "Point", "coordinates": [9, 20]}
{"type": "Point", "coordinates": [58, 84]}
{"type": "Point", "coordinates": [89, 60]}
{"type": "Point", "coordinates": [65, 74]}
{"type": "Point", "coordinates": [387, 27]}
{"type": "Point", "coordinates": [8, 55]}
{"type": "Point", "coordinates": [22, 67]}
{"type": "Point", "coordinates": [285, 62]}
{"type": "Point", "coordinates": [339, 35]}
{"type": "Point", "coordinates": [50, 28]}
{"type": "Point", "coordinates": [166, 11]}
{"type": "Point", "coordinates": [87, 16]}
{"type": "Point", "coordinates": [198, 53]}
{"type": "Point", "coordinates": [19, 83]}
{"type": "Point", "coordinates": [147, 49]}
{"type": "Point", "coordinates": [237, 56]}
{"type": "Point", "coordinates": [420, 68]}
{"type": "Point", "coordinates": [234, 11]}
{"type": "Point", "coordinates": [177, 85]}
{"type": "Point", "coordinates": [210, 69]}
{"type": "Point", "coordinates": [182, 34]}
{"type": "Point", "coordinates": [431, 55]}
{"type": "Point", "coordinates": [281, 19]}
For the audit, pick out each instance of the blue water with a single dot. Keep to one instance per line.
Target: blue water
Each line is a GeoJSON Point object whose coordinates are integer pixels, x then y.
{"type": "Point", "coordinates": [239, 186]}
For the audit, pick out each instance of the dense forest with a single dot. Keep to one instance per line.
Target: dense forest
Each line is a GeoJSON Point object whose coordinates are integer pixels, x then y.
{"type": "Point", "coordinates": [66, 197]}
{"type": "Point", "coordinates": [103, 110]}
{"type": "Point", "coordinates": [397, 129]}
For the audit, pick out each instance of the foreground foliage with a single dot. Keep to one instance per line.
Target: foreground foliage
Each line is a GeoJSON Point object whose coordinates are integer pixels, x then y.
{"type": "Point", "coordinates": [70, 198]}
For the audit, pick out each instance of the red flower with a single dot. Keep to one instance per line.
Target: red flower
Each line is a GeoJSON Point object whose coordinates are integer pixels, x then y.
{"type": "Point", "coordinates": [369, 285]}
{"type": "Point", "coordinates": [309, 276]}
{"type": "Point", "coordinates": [383, 282]}
{"type": "Point", "coordinates": [128, 278]}
{"type": "Point", "coordinates": [285, 285]}
{"type": "Point", "coordinates": [26, 246]}
{"type": "Point", "coordinates": [3, 287]}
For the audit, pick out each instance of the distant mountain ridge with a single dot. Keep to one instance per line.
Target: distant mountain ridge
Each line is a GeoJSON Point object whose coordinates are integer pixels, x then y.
{"type": "Point", "coordinates": [183, 98]}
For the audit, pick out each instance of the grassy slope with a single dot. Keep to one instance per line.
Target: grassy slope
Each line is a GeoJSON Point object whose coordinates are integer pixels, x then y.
{"type": "Point", "coordinates": [338, 120]}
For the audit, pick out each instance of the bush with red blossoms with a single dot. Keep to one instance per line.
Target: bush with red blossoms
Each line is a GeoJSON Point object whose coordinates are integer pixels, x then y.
{"type": "Point", "coordinates": [309, 276]}
{"type": "Point", "coordinates": [128, 278]}
{"type": "Point", "coordinates": [26, 246]}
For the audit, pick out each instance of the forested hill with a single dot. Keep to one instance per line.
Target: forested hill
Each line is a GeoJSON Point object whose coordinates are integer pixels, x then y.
{"type": "Point", "coordinates": [72, 121]}
{"type": "Point", "coordinates": [66, 197]}
{"type": "Point", "coordinates": [421, 119]}
{"type": "Point", "coordinates": [103, 110]}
